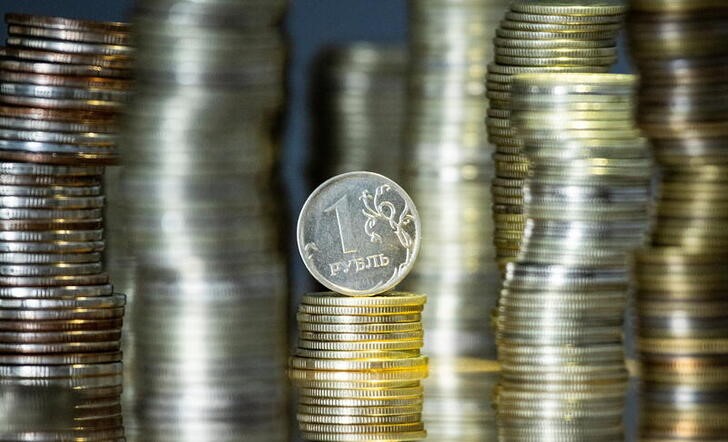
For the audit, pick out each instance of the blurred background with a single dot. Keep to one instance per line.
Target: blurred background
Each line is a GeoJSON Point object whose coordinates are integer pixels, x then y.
{"type": "Point", "coordinates": [330, 108]}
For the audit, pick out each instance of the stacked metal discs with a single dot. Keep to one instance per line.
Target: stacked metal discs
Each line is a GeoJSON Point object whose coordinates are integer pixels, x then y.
{"type": "Point", "coordinates": [210, 313]}
{"type": "Point", "coordinates": [561, 311]}
{"type": "Point", "coordinates": [62, 83]}
{"type": "Point", "coordinates": [359, 109]}
{"type": "Point", "coordinates": [447, 172]}
{"type": "Point", "coordinates": [680, 49]}
{"type": "Point", "coordinates": [538, 36]}
{"type": "Point", "coordinates": [358, 367]}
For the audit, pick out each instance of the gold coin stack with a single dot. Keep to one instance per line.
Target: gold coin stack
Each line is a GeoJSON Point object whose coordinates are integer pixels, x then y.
{"type": "Point", "coordinates": [358, 367]}
{"type": "Point", "coordinates": [680, 48]}
{"type": "Point", "coordinates": [560, 320]}
{"type": "Point", "coordinates": [538, 36]}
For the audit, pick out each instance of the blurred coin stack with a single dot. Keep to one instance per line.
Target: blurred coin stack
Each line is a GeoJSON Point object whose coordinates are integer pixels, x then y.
{"type": "Point", "coordinates": [359, 97]}
{"type": "Point", "coordinates": [680, 49]}
{"type": "Point", "coordinates": [201, 212]}
{"type": "Point", "coordinates": [358, 367]}
{"type": "Point", "coordinates": [561, 310]}
{"type": "Point", "coordinates": [62, 84]}
{"type": "Point", "coordinates": [447, 170]}
{"type": "Point", "coordinates": [538, 36]}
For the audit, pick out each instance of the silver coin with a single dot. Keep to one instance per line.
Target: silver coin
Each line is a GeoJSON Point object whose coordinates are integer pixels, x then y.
{"type": "Point", "coordinates": [55, 292]}
{"type": "Point", "coordinates": [69, 46]}
{"type": "Point", "coordinates": [359, 234]}
{"type": "Point", "coordinates": [61, 269]}
{"type": "Point", "coordinates": [42, 147]}
{"type": "Point", "coordinates": [52, 247]}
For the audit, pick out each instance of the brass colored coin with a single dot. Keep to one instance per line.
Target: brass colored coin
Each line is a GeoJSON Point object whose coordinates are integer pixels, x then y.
{"type": "Point", "coordinates": [66, 23]}
{"type": "Point", "coordinates": [358, 420]}
{"type": "Point", "coordinates": [359, 411]}
{"type": "Point", "coordinates": [565, 7]}
{"type": "Point", "coordinates": [359, 337]}
{"type": "Point", "coordinates": [385, 299]}
{"type": "Point", "coordinates": [501, 42]}
{"type": "Point", "coordinates": [367, 437]}
{"type": "Point", "coordinates": [349, 376]}
{"type": "Point", "coordinates": [358, 319]}
{"type": "Point", "coordinates": [557, 52]}
{"type": "Point", "coordinates": [563, 19]}
{"type": "Point", "coordinates": [360, 328]}
{"type": "Point", "coordinates": [412, 344]}
{"type": "Point", "coordinates": [382, 311]}
{"type": "Point", "coordinates": [358, 429]}
{"type": "Point", "coordinates": [555, 61]}
{"type": "Point", "coordinates": [371, 354]}
{"type": "Point", "coordinates": [363, 393]}
{"type": "Point", "coordinates": [558, 27]}
{"type": "Point", "coordinates": [369, 364]}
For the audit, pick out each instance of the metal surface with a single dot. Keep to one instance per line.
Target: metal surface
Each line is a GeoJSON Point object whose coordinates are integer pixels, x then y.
{"type": "Point", "coordinates": [359, 234]}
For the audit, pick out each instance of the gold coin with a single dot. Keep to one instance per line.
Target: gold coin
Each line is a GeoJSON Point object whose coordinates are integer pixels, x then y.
{"type": "Point", "coordinates": [393, 299]}
{"type": "Point", "coordinates": [385, 437]}
{"type": "Point", "coordinates": [359, 420]}
{"type": "Point", "coordinates": [360, 337]}
{"type": "Point", "coordinates": [358, 319]}
{"type": "Point", "coordinates": [349, 376]}
{"type": "Point", "coordinates": [358, 365]}
{"type": "Point", "coordinates": [363, 393]}
{"type": "Point", "coordinates": [359, 411]}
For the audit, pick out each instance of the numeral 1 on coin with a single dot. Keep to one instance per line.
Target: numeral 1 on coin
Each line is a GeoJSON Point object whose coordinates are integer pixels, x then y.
{"type": "Point", "coordinates": [342, 203]}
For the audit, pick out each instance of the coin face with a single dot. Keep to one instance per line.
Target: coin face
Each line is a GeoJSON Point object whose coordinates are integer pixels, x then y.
{"type": "Point", "coordinates": [359, 234]}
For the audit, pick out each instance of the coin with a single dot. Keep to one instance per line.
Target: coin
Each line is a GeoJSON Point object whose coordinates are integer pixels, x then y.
{"type": "Point", "coordinates": [377, 243]}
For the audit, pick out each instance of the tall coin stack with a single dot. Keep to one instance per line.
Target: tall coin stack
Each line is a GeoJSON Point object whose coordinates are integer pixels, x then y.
{"type": "Point", "coordinates": [538, 36]}
{"type": "Point", "coordinates": [358, 366]}
{"type": "Point", "coordinates": [62, 83]}
{"type": "Point", "coordinates": [359, 100]}
{"type": "Point", "coordinates": [560, 319]}
{"type": "Point", "coordinates": [447, 170]}
{"type": "Point", "coordinates": [681, 51]}
{"type": "Point", "coordinates": [209, 314]}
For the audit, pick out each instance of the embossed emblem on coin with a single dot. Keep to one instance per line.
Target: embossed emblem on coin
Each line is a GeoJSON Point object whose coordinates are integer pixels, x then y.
{"type": "Point", "coordinates": [359, 234]}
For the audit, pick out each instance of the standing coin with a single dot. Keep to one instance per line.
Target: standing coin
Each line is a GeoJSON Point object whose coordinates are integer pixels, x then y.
{"type": "Point", "coordinates": [359, 234]}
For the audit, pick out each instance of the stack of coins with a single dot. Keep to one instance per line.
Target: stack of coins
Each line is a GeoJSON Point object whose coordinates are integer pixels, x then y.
{"type": "Point", "coordinates": [358, 367]}
{"type": "Point", "coordinates": [538, 36]}
{"type": "Point", "coordinates": [447, 169]}
{"type": "Point", "coordinates": [201, 211]}
{"type": "Point", "coordinates": [680, 49]}
{"type": "Point", "coordinates": [560, 320]}
{"type": "Point", "coordinates": [358, 110]}
{"type": "Point", "coordinates": [62, 84]}
{"type": "Point", "coordinates": [358, 364]}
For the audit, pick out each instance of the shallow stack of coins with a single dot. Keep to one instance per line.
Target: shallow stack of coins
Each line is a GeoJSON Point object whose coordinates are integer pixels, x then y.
{"type": "Point", "coordinates": [538, 36]}
{"type": "Point", "coordinates": [62, 84]}
{"type": "Point", "coordinates": [202, 216]}
{"type": "Point", "coordinates": [358, 367]}
{"type": "Point", "coordinates": [680, 49]}
{"type": "Point", "coordinates": [447, 172]}
{"type": "Point", "coordinates": [561, 311]}
{"type": "Point", "coordinates": [359, 110]}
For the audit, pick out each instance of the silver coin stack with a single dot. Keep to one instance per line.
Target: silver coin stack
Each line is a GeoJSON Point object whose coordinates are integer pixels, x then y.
{"type": "Point", "coordinates": [538, 36]}
{"type": "Point", "coordinates": [447, 173]}
{"type": "Point", "coordinates": [209, 310]}
{"type": "Point", "coordinates": [62, 83]}
{"type": "Point", "coordinates": [560, 319]}
{"type": "Point", "coordinates": [359, 109]}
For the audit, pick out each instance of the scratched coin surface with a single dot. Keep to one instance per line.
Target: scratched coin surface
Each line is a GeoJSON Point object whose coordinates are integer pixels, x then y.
{"type": "Point", "coordinates": [359, 234]}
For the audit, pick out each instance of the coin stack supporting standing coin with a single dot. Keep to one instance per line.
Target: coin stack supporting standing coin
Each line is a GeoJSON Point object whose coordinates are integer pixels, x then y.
{"type": "Point", "coordinates": [681, 52]}
{"type": "Point", "coordinates": [210, 313]}
{"type": "Point", "coordinates": [538, 36]}
{"type": "Point", "coordinates": [359, 109]}
{"type": "Point", "coordinates": [562, 307]}
{"type": "Point", "coordinates": [62, 82]}
{"type": "Point", "coordinates": [358, 364]}
{"type": "Point", "coordinates": [447, 170]}
{"type": "Point", "coordinates": [358, 367]}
